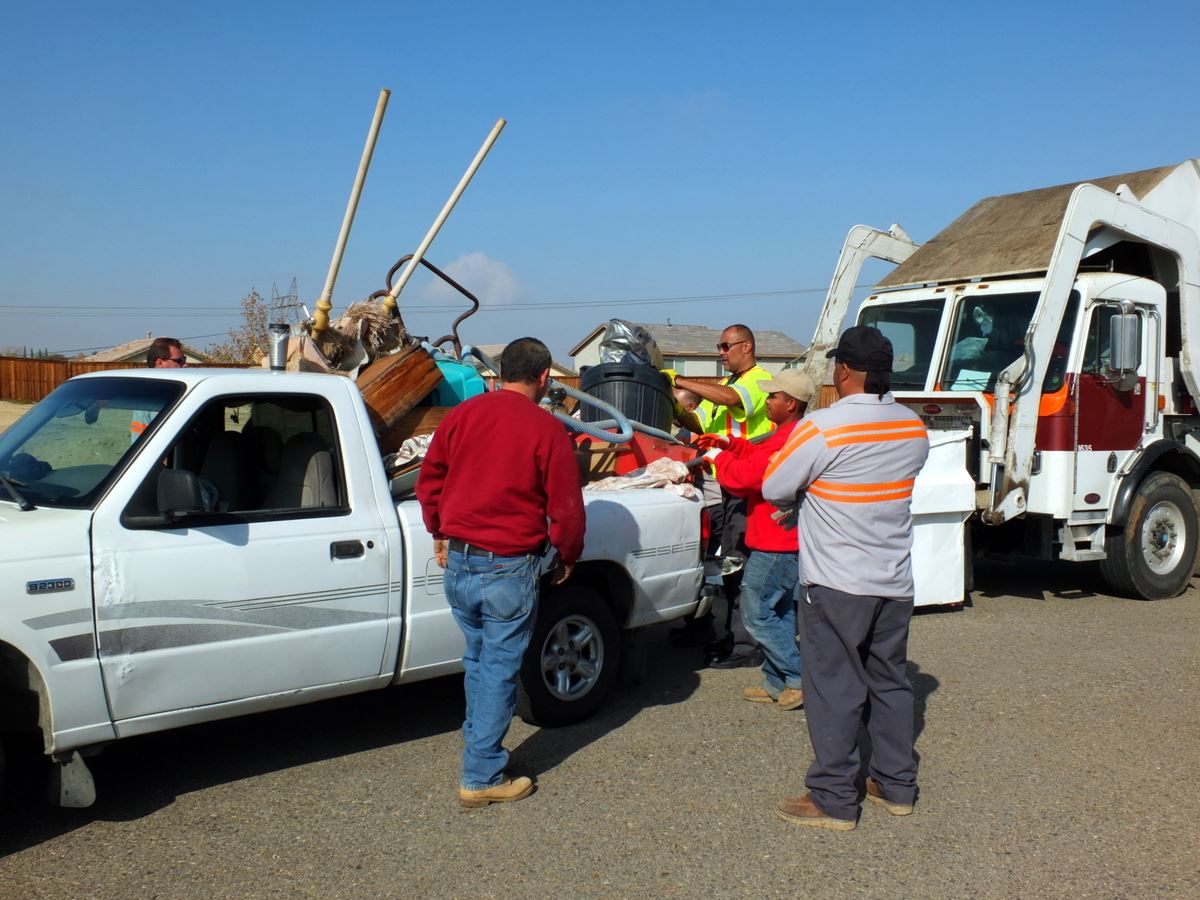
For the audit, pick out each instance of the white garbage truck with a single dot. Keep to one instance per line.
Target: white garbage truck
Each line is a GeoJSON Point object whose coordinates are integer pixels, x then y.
{"type": "Point", "coordinates": [1055, 331]}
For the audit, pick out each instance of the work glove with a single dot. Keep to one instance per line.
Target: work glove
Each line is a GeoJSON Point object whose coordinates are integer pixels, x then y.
{"type": "Point", "coordinates": [787, 518]}
{"type": "Point", "coordinates": [707, 441]}
{"type": "Point", "coordinates": [671, 376]}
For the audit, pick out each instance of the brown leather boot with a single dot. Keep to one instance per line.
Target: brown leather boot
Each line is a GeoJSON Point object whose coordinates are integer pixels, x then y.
{"type": "Point", "coordinates": [875, 795]}
{"type": "Point", "coordinates": [790, 698]}
{"type": "Point", "coordinates": [802, 811]}
{"type": "Point", "coordinates": [757, 695]}
{"type": "Point", "coordinates": [504, 792]}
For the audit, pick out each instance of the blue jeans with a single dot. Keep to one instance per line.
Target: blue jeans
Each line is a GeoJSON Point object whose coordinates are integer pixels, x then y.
{"type": "Point", "coordinates": [494, 599]}
{"type": "Point", "coordinates": [768, 602]}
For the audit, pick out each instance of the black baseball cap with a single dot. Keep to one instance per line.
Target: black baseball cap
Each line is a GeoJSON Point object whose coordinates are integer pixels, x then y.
{"type": "Point", "coordinates": [864, 349]}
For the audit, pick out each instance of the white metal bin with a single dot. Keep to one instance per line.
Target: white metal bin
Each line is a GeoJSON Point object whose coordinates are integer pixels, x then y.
{"type": "Point", "coordinates": [943, 498]}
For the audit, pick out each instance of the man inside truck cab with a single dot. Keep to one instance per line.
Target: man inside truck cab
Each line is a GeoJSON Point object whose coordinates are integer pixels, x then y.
{"type": "Point", "coordinates": [989, 336]}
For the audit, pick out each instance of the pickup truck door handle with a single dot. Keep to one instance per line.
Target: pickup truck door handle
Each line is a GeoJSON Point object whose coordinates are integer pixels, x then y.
{"type": "Point", "coordinates": [346, 550]}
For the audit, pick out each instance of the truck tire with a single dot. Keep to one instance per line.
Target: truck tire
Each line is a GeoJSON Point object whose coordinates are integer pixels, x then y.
{"type": "Point", "coordinates": [1154, 554]}
{"type": "Point", "coordinates": [572, 658]}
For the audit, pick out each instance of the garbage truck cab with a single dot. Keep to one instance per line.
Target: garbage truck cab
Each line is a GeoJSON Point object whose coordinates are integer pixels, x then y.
{"type": "Point", "coordinates": [1058, 328]}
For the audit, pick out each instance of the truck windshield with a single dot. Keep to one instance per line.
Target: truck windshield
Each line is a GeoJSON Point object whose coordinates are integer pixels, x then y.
{"type": "Point", "coordinates": [912, 328]}
{"type": "Point", "coordinates": [988, 334]}
{"type": "Point", "coordinates": [65, 450]}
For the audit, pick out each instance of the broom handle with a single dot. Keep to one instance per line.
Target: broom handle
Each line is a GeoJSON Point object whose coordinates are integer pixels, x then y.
{"type": "Point", "coordinates": [390, 302]}
{"type": "Point", "coordinates": [325, 303]}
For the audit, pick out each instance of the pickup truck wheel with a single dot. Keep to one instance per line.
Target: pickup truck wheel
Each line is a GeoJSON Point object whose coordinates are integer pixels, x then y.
{"type": "Point", "coordinates": [1154, 554]}
{"type": "Point", "coordinates": [572, 658]}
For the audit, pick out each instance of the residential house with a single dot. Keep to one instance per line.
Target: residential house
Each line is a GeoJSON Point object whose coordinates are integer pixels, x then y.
{"type": "Point", "coordinates": [134, 353]}
{"type": "Point", "coordinates": [692, 349]}
{"type": "Point", "coordinates": [557, 369]}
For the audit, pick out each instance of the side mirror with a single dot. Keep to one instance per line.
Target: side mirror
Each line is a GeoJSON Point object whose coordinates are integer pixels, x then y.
{"type": "Point", "coordinates": [1123, 339]}
{"type": "Point", "coordinates": [179, 493]}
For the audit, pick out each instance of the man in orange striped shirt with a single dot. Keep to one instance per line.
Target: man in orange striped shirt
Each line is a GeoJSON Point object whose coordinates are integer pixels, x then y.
{"type": "Point", "coordinates": [851, 467]}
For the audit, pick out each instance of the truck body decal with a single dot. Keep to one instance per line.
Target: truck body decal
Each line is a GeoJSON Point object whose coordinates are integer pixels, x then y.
{"type": "Point", "coordinates": [77, 646]}
{"type": "Point", "coordinates": [141, 626]}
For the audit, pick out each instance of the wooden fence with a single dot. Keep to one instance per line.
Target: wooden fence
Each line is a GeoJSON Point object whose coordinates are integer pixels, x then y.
{"type": "Point", "coordinates": [30, 380]}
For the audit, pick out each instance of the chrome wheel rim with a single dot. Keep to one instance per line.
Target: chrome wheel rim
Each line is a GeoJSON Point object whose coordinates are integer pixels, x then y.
{"type": "Point", "coordinates": [1163, 537]}
{"type": "Point", "coordinates": [572, 657]}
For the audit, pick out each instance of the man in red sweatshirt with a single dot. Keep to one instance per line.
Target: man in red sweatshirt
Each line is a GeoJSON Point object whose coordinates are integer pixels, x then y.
{"type": "Point", "coordinates": [769, 580]}
{"type": "Point", "coordinates": [499, 481]}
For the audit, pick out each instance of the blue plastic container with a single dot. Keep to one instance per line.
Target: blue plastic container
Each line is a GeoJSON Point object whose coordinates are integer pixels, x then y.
{"type": "Point", "coordinates": [460, 382]}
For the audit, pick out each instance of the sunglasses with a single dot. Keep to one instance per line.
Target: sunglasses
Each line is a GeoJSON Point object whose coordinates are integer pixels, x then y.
{"type": "Point", "coordinates": [725, 346]}
{"type": "Point", "coordinates": [178, 360]}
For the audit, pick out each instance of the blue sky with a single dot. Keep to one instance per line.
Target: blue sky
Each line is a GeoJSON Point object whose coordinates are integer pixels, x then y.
{"type": "Point", "coordinates": [169, 157]}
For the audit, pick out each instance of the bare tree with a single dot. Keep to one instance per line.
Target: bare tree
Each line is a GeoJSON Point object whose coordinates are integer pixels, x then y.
{"type": "Point", "coordinates": [248, 342]}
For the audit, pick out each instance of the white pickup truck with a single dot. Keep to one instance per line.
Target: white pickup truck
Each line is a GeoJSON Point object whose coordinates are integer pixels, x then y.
{"type": "Point", "coordinates": [190, 545]}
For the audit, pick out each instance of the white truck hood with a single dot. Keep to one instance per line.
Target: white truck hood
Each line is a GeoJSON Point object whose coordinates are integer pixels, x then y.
{"type": "Point", "coordinates": [32, 542]}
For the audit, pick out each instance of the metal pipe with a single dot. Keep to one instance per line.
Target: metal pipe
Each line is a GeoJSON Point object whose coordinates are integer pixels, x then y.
{"type": "Point", "coordinates": [389, 302]}
{"type": "Point", "coordinates": [1152, 397]}
{"type": "Point", "coordinates": [649, 430]}
{"type": "Point", "coordinates": [325, 303]}
{"type": "Point", "coordinates": [998, 438]}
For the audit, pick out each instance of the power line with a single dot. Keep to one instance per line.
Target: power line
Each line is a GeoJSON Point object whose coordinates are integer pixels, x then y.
{"type": "Point", "coordinates": [66, 311]}
{"type": "Point", "coordinates": [190, 337]}
{"type": "Point", "coordinates": [91, 311]}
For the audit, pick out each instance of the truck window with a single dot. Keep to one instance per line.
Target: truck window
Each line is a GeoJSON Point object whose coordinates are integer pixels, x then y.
{"type": "Point", "coordinates": [1097, 351]}
{"type": "Point", "coordinates": [67, 449]}
{"type": "Point", "coordinates": [988, 334]}
{"type": "Point", "coordinates": [257, 456]}
{"type": "Point", "coordinates": [912, 328]}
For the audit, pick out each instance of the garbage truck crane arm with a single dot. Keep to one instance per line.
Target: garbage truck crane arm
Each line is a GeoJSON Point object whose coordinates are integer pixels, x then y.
{"type": "Point", "coordinates": [861, 244]}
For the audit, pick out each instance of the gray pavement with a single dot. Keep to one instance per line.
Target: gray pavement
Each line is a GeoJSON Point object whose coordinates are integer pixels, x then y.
{"type": "Point", "coordinates": [1057, 730]}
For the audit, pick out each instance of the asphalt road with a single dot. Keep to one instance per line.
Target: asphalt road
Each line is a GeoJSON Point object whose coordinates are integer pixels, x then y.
{"type": "Point", "coordinates": [1057, 730]}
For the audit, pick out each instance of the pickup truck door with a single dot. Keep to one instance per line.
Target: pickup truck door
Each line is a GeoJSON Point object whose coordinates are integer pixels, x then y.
{"type": "Point", "coordinates": [282, 586]}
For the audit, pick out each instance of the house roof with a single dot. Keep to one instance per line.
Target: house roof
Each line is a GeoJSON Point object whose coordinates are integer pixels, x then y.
{"type": "Point", "coordinates": [1006, 235]}
{"type": "Point", "coordinates": [494, 351]}
{"type": "Point", "coordinates": [137, 349]}
{"type": "Point", "coordinates": [699, 340]}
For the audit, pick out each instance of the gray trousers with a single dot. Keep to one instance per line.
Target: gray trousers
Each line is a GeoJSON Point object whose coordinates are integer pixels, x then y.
{"type": "Point", "coordinates": [854, 650]}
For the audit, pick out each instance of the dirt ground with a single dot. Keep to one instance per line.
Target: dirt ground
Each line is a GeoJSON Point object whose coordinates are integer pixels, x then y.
{"type": "Point", "coordinates": [10, 412]}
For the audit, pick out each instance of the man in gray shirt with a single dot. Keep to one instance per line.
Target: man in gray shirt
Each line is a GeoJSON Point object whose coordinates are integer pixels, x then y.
{"type": "Point", "coordinates": [852, 467]}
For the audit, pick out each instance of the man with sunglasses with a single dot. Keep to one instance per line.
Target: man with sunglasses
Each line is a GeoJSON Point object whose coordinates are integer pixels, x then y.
{"type": "Point", "coordinates": [737, 407]}
{"type": "Point", "coordinates": [163, 353]}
